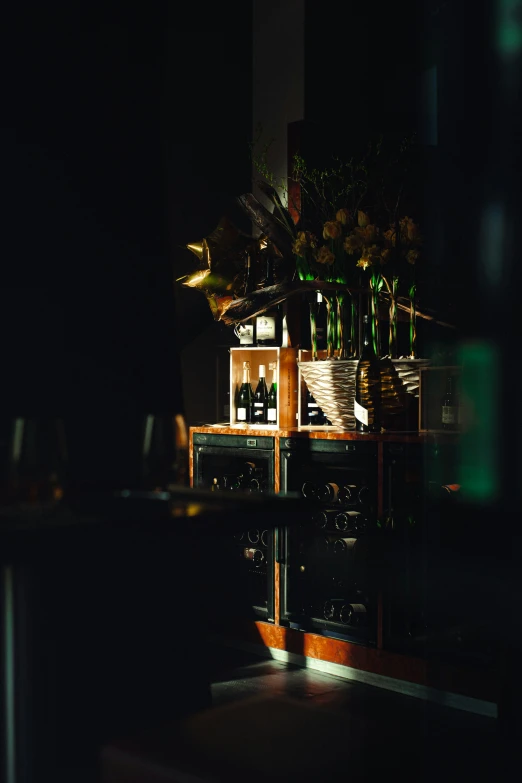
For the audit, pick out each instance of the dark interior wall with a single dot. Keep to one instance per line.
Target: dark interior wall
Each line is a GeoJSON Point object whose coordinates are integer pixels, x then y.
{"type": "Point", "coordinates": [124, 136]}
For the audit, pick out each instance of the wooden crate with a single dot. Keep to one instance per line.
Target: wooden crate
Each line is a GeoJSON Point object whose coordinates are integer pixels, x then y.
{"type": "Point", "coordinates": [287, 382]}
{"type": "Point", "coordinates": [432, 386]}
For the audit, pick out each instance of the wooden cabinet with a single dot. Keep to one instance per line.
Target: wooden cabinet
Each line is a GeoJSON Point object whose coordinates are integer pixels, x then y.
{"type": "Point", "coordinates": [397, 468]}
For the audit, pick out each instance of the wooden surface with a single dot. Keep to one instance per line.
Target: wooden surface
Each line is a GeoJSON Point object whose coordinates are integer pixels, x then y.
{"type": "Point", "coordinates": [478, 683]}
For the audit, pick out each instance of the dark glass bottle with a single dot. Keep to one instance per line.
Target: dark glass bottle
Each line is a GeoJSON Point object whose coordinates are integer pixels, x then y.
{"type": "Point", "coordinates": [245, 397]}
{"type": "Point", "coordinates": [269, 324]}
{"type": "Point", "coordinates": [247, 330]}
{"type": "Point", "coordinates": [450, 406]}
{"type": "Point", "coordinates": [260, 403]}
{"type": "Point", "coordinates": [367, 386]}
{"type": "Point", "coordinates": [314, 415]}
{"type": "Point", "coordinates": [271, 411]}
{"type": "Point", "coordinates": [353, 614]}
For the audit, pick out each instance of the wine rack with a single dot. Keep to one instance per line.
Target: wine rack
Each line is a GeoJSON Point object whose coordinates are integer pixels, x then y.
{"type": "Point", "coordinates": [238, 463]}
{"type": "Point", "coordinates": [326, 582]}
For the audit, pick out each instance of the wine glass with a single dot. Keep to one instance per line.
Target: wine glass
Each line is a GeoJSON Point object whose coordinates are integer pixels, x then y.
{"type": "Point", "coordinates": [34, 459]}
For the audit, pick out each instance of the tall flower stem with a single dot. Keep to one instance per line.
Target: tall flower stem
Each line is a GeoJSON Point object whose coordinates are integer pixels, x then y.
{"type": "Point", "coordinates": [330, 327]}
{"type": "Point", "coordinates": [352, 350]}
{"type": "Point", "coordinates": [392, 333]}
{"type": "Point", "coordinates": [341, 330]}
{"type": "Point", "coordinates": [413, 322]}
{"type": "Point", "coordinates": [313, 328]}
{"type": "Point", "coordinates": [375, 287]}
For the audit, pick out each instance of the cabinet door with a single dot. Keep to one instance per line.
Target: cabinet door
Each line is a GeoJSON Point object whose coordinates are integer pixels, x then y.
{"type": "Point", "coordinates": [327, 583]}
{"type": "Point", "coordinates": [246, 560]}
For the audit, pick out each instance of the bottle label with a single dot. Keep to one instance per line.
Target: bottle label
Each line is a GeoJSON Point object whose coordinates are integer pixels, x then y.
{"type": "Point", "coordinates": [272, 414]}
{"type": "Point", "coordinates": [313, 405]}
{"type": "Point", "coordinates": [266, 327]}
{"type": "Point", "coordinates": [449, 414]}
{"type": "Point", "coordinates": [241, 414]}
{"type": "Point", "coordinates": [258, 405]}
{"type": "Point", "coordinates": [246, 334]}
{"type": "Point", "coordinates": [361, 414]}
{"type": "Point", "coordinates": [359, 608]}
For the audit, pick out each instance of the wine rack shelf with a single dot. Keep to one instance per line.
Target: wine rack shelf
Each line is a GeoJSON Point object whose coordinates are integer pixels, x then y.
{"type": "Point", "coordinates": [377, 480]}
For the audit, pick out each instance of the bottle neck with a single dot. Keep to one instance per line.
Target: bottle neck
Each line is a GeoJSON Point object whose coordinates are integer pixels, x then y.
{"type": "Point", "coordinates": [248, 277]}
{"type": "Point", "coordinates": [269, 272]}
{"type": "Point", "coordinates": [367, 334]}
{"type": "Point", "coordinates": [246, 376]}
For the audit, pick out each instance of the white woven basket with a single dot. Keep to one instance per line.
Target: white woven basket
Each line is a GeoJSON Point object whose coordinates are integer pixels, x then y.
{"type": "Point", "coordinates": [332, 383]}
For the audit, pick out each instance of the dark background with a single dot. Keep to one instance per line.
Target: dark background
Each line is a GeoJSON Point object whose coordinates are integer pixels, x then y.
{"type": "Point", "coordinates": [124, 136]}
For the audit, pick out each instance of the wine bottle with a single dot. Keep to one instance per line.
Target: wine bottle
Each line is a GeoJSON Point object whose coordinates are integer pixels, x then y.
{"type": "Point", "coordinates": [313, 411]}
{"type": "Point", "coordinates": [450, 407]}
{"type": "Point", "coordinates": [348, 495]}
{"type": "Point", "coordinates": [332, 609]}
{"type": "Point", "coordinates": [342, 545]}
{"type": "Point", "coordinates": [271, 410]}
{"type": "Point", "coordinates": [256, 555]}
{"type": "Point", "coordinates": [367, 386]}
{"type": "Point", "coordinates": [350, 520]}
{"type": "Point", "coordinates": [325, 518]}
{"type": "Point", "coordinates": [245, 397]}
{"type": "Point", "coordinates": [309, 490]}
{"type": "Point", "coordinates": [327, 493]}
{"type": "Point", "coordinates": [260, 404]}
{"type": "Point", "coordinates": [247, 330]}
{"type": "Point", "coordinates": [269, 323]}
{"type": "Point", "coordinates": [353, 614]}
{"type": "Point", "coordinates": [253, 536]}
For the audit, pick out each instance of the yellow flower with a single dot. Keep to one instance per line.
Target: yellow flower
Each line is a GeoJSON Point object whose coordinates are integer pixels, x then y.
{"type": "Point", "coordinates": [343, 216]}
{"type": "Point", "coordinates": [368, 235]}
{"type": "Point", "coordinates": [325, 256]}
{"type": "Point", "coordinates": [389, 236]}
{"type": "Point", "coordinates": [364, 262]}
{"type": "Point", "coordinates": [332, 229]}
{"type": "Point", "coordinates": [352, 243]}
{"type": "Point", "coordinates": [362, 218]}
{"type": "Point", "coordinates": [412, 256]}
{"type": "Point", "coordinates": [304, 240]}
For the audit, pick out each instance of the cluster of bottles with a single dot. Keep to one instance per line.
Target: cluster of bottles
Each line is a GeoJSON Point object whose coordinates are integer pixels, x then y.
{"type": "Point", "coordinates": [250, 479]}
{"type": "Point", "coordinates": [259, 407]}
{"type": "Point", "coordinates": [255, 549]}
{"type": "Point", "coordinates": [346, 612]}
{"type": "Point", "coordinates": [336, 528]}
{"type": "Point", "coordinates": [265, 329]}
{"type": "Point", "coordinates": [332, 494]}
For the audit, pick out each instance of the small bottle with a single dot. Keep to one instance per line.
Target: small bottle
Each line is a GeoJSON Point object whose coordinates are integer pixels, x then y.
{"type": "Point", "coordinates": [450, 406]}
{"type": "Point", "coordinates": [245, 397]}
{"type": "Point", "coordinates": [269, 323]}
{"type": "Point", "coordinates": [367, 386]}
{"type": "Point", "coordinates": [247, 330]}
{"type": "Point", "coordinates": [260, 404]}
{"type": "Point", "coordinates": [271, 410]}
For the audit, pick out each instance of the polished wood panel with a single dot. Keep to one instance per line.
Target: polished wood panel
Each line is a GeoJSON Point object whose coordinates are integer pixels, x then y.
{"type": "Point", "coordinates": [478, 683]}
